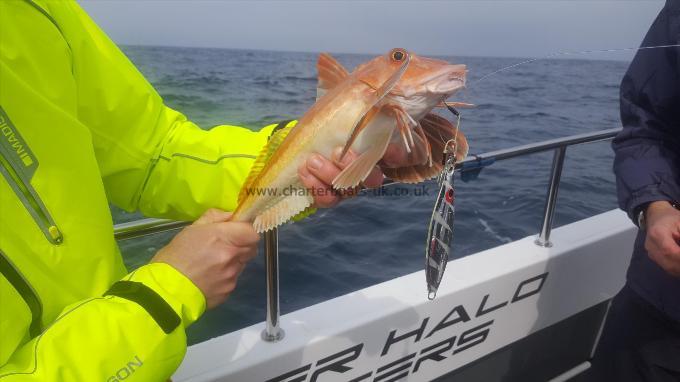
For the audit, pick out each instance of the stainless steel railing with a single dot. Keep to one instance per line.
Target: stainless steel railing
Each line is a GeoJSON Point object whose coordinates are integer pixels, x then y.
{"type": "Point", "coordinates": [272, 331]}
{"type": "Point", "coordinates": [145, 227]}
{"type": "Point", "coordinates": [551, 199]}
{"type": "Point", "coordinates": [472, 164]}
{"type": "Point", "coordinates": [559, 146]}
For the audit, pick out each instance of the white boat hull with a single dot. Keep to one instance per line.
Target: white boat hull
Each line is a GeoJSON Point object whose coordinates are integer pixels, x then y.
{"type": "Point", "coordinates": [391, 331]}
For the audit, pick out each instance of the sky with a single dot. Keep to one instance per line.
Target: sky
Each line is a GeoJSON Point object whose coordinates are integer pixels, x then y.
{"type": "Point", "coordinates": [533, 28]}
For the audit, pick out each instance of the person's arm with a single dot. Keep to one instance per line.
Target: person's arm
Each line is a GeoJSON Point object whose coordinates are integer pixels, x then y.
{"type": "Point", "coordinates": [647, 160]}
{"type": "Point", "coordinates": [151, 157]}
{"type": "Point", "coordinates": [136, 330]}
{"type": "Point", "coordinates": [647, 150]}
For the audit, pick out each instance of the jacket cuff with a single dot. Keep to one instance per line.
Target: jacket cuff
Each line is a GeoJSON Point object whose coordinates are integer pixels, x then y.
{"type": "Point", "coordinates": [176, 289]}
{"type": "Point", "coordinates": [647, 195]}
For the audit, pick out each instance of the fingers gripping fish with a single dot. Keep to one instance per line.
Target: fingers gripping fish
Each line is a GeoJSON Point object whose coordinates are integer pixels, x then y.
{"type": "Point", "coordinates": [385, 101]}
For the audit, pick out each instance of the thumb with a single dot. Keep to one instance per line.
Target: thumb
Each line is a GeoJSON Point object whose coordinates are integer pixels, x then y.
{"type": "Point", "coordinates": [676, 232]}
{"type": "Point", "coordinates": [213, 215]}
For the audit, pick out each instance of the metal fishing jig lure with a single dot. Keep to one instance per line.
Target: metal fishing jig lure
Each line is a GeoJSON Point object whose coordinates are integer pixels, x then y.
{"type": "Point", "coordinates": [440, 232]}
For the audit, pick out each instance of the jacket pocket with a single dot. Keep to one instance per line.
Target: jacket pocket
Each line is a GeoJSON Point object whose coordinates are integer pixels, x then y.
{"type": "Point", "coordinates": [17, 165]}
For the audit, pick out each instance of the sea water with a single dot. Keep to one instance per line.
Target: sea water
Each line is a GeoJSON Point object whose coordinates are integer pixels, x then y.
{"type": "Point", "coordinates": [381, 235]}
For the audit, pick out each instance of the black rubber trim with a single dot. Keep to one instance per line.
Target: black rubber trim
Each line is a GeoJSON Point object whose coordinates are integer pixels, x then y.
{"type": "Point", "coordinates": [148, 299]}
{"type": "Point", "coordinates": [26, 292]}
{"type": "Point", "coordinates": [281, 125]}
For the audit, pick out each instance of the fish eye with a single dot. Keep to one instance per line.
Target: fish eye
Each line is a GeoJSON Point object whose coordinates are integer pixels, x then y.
{"type": "Point", "coordinates": [398, 55]}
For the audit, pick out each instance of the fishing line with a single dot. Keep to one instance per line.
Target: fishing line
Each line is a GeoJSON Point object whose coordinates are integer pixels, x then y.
{"type": "Point", "coordinates": [569, 53]}
{"type": "Point", "coordinates": [469, 91]}
{"type": "Point", "coordinates": [549, 56]}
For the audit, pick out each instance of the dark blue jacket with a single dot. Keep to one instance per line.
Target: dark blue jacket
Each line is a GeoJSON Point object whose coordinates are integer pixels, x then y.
{"type": "Point", "coordinates": [647, 161]}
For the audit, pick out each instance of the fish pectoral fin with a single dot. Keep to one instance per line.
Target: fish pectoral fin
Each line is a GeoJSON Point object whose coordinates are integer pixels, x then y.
{"type": "Point", "coordinates": [267, 151]}
{"type": "Point", "coordinates": [412, 174]}
{"type": "Point", "coordinates": [285, 209]}
{"type": "Point", "coordinates": [363, 122]}
{"type": "Point", "coordinates": [361, 167]}
{"type": "Point", "coordinates": [331, 73]}
{"type": "Point", "coordinates": [438, 131]}
{"type": "Point", "coordinates": [374, 106]}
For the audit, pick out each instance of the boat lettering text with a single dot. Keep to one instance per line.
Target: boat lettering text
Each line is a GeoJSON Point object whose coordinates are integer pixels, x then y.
{"type": "Point", "coordinates": [449, 346]}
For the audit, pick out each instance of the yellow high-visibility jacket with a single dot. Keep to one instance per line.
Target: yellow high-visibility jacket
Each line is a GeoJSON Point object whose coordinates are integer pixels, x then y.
{"type": "Point", "coordinates": [80, 127]}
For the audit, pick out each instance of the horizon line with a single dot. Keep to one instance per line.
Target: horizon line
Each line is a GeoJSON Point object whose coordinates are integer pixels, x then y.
{"type": "Point", "coordinates": [547, 56]}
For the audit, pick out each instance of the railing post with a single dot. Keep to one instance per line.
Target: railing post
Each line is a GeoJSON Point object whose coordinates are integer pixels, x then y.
{"type": "Point", "coordinates": [272, 332]}
{"type": "Point", "coordinates": [551, 199]}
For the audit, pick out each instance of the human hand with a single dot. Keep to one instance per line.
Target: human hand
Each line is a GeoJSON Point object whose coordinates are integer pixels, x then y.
{"type": "Point", "coordinates": [317, 174]}
{"type": "Point", "coordinates": [663, 236]}
{"type": "Point", "coordinates": [396, 154]}
{"type": "Point", "coordinates": [212, 253]}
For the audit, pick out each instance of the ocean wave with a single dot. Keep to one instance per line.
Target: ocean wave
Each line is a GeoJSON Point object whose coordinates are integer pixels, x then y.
{"type": "Point", "coordinates": [371, 239]}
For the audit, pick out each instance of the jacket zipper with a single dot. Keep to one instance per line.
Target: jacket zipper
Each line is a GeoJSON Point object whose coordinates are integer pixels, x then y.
{"type": "Point", "coordinates": [26, 193]}
{"type": "Point", "coordinates": [21, 285]}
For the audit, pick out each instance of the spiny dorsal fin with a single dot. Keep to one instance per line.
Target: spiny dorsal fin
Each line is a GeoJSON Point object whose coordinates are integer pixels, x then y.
{"type": "Point", "coordinates": [331, 73]}
{"type": "Point", "coordinates": [263, 157]}
{"type": "Point", "coordinates": [309, 211]}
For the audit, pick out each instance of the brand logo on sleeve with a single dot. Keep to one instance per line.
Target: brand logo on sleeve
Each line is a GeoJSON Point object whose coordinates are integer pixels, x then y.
{"type": "Point", "coordinates": [126, 371]}
{"type": "Point", "coordinates": [14, 148]}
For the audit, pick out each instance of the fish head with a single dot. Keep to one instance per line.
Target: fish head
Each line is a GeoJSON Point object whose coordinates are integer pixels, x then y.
{"type": "Point", "coordinates": [377, 72]}
{"type": "Point", "coordinates": [425, 83]}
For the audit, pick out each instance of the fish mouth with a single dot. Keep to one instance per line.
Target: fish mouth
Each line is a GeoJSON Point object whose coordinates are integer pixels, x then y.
{"type": "Point", "coordinates": [448, 80]}
{"type": "Point", "coordinates": [443, 82]}
{"type": "Point", "coordinates": [447, 87]}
